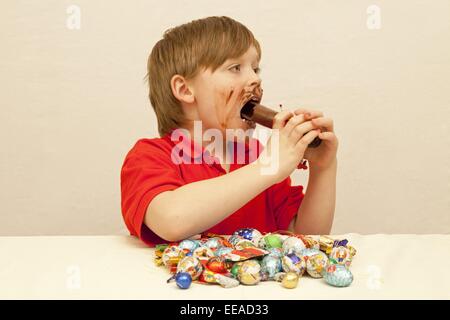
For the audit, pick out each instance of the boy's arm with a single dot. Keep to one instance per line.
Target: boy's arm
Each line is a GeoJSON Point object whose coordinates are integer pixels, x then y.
{"type": "Point", "coordinates": [198, 206]}
{"type": "Point", "coordinates": [316, 212]}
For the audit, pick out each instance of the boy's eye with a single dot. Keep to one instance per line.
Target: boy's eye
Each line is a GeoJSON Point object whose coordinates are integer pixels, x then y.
{"type": "Point", "coordinates": [236, 68]}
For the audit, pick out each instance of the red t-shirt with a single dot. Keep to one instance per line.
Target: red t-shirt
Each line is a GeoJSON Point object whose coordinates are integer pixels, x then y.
{"type": "Point", "coordinates": [148, 170]}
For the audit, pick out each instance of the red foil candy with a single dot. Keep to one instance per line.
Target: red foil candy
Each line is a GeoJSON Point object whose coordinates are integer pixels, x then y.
{"type": "Point", "coordinates": [217, 265]}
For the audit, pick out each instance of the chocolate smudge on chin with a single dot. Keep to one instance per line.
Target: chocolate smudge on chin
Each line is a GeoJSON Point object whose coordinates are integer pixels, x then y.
{"type": "Point", "coordinates": [245, 95]}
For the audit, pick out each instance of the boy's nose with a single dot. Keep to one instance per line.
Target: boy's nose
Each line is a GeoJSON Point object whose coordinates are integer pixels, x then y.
{"type": "Point", "coordinates": [254, 80]}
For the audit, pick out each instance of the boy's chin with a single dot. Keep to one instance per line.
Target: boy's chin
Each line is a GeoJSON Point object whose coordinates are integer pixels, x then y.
{"type": "Point", "coordinates": [242, 125]}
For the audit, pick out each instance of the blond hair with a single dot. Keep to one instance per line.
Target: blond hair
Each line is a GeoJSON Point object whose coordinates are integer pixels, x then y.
{"type": "Point", "coordinates": [185, 50]}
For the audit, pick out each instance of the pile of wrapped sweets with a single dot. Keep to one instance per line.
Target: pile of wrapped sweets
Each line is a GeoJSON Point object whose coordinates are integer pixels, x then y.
{"type": "Point", "coordinates": [248, 257]}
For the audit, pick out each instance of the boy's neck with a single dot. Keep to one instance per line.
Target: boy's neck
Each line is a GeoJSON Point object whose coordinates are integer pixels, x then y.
{"type": "Point", "coordinates": [198, 140]}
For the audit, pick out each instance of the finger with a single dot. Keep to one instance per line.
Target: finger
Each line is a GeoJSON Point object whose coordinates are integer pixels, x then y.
{"type": "Point", "coordinates": [324, 123]}
{"type": "Point", "coordinates": [280, 119]}
{"type": "Point", "coordinates": [293, 123]}
{"type": "Point", "coordinates": [309, 113]}
{"type": "Point", "coordinates": [303, 143]}
{"type": "Point", "coordinates": [299, 131]}
{"type": "Point", "coordinates": [329, 136]}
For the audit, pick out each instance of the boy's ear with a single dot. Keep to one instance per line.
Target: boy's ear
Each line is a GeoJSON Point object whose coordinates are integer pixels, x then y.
{"type": "Point", "coordinates": [181, 89]}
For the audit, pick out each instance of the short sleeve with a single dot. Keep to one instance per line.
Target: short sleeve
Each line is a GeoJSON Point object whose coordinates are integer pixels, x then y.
{"type": "Point", "coordinates": [285, 200]}
{"type": "Point", "coordinates": [146, 172]}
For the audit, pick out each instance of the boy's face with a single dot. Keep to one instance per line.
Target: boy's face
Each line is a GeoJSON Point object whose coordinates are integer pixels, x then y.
{"type": "Point", "coordinates": [220, 95]}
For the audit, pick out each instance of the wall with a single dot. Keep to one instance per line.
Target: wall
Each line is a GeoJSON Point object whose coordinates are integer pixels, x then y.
{"type": "Point", "coordinates": [74, 102]}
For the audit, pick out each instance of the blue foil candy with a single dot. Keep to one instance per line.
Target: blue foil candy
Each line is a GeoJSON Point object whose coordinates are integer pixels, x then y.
{"type": "Point", "coordinates": [183, 280]}
{"type": "Point", "coordinates": [249, 234]}
{"type": "Point", "coordinates": [338, 275]}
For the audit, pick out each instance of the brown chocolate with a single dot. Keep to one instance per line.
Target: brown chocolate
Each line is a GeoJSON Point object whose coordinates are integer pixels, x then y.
{"type": "Point", "coordinates": [263, 115]}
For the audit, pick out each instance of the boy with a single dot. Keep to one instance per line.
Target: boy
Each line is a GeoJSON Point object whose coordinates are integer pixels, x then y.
{"type": "Point", "coordinates": [204, 71]}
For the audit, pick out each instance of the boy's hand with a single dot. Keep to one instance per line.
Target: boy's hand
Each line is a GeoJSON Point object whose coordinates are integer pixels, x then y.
{"type": "Point", "coordinates": [293, 133]}
{"type": "Point", "coordinates": [324, 155]}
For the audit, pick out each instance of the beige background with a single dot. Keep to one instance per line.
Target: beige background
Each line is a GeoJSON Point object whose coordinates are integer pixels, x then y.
{"type": "Point", "coordinates": [73, 102]}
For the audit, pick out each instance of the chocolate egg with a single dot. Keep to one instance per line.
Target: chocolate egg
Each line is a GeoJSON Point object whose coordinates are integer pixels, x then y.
{"type": "Point", "coordinates": [190, 265]}
{"type": "Point", "coordinates": [217, 264]}
{"type": "Point", "coordinates": [270, 266]}
{"type": "Point", "coordinates": [235, 269]}
{"type": "Point", "coordinates": [244, 243]}
{"type": "Point", "coordinates": [276, 252]}
{"type": "Point", "coordinates": [234, 239]}
{"type": "Point", "coordinates": [305, 253]}
{"type": "Point", "coordinates": [249, 234]}
{"type": "Point", "coordinates": [293, 263]}
{"type": "Point", "coordinates": [183, 280]}
{"type": "Point", "coordinates": [249, 272]}
{"type": "Point", "coordinates": [290, 280]}
{"type": "Point", "coordinates": [293, 245]}
{"type": "Point", "coordinates": [172, 255]}
{"type": "Point", "coordinates": [341, 255]}
{"type": "Point", "coordinates": [188, 244]}
{"type": "Point", "coordinates": [269, 241]}
{"type": "Point", "coordinates": [203, 253]}
{"type": "Point", "coordinates": [213, 243]}
{"type": "Point", "coordinates": [338, 275]}
{"type": "Point", "coordinates": [316, 264]}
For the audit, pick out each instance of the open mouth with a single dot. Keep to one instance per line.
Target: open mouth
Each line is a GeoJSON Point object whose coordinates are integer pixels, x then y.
{"type": "Point", "coordinates": [247, 109]}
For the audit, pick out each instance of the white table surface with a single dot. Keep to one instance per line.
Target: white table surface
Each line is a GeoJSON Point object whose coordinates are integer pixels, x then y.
{"type": "Point", "coordinates": [121, 267]}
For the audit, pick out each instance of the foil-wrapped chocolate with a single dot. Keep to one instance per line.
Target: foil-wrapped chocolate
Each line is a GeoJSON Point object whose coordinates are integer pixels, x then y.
{"type": "Point", "coordinates": [341, 255]}
{"type": "Point", "coordinates": [249, 272]}
{"type": "Point", "coordinates": [293, 245]}
{"type": "Point", "coordinates": [290, 280]}
{"type": "Point", "coordinates": [270, 266]}
{"type": "Point", "coordinates": [190, 265]}
{"type": "Point", "coordinates": [316, 264]}
{"type": "Point", "coordinates": [293, 263]}
{"type": "Point", "coordinates": [249, 234]}
{"type": "Point", "coordinates": [338, 275]}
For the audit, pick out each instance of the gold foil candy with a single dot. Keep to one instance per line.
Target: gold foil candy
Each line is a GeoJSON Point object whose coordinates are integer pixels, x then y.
{"type": "Point", "coordinates": [326, 244]}
{"type": "Point", "coordinates": [290, 280]}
